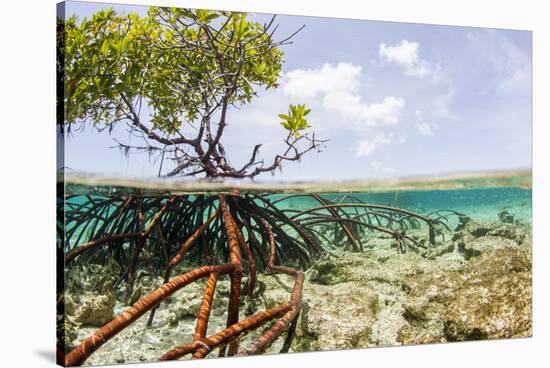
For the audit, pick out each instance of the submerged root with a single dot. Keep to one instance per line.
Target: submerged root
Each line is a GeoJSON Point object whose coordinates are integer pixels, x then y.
{"type": "Point", "coordinates": [243, 235]}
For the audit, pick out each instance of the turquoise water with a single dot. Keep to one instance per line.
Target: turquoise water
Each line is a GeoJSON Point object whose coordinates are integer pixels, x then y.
{"type": "Point", "coordinates": [99, 211]}
{"type": "Point", "coordinates": [480, 203]}
{"type": "Point", "coordinates": [483, 204]}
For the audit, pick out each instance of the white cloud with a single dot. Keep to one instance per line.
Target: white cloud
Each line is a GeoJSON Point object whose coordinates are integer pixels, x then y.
{"type": "Point", "coordinates": [517, 67]}
{"type": "Point", "coordinates": [349, 105]}
{"type": "Point", "coordinates": [304, 83]}
{"type": "Point", "coordinates": [518, 82]}
{"type": "Point", "coordinates": [406, 55]}
{"type": "Point", "coordinates": [511, 63]}
{"type": "Point", "coordinates": [366, 147]}
{"type": "Point", "coordinates": [441, 106]}
{"type": "Point", "coordinates": [379, 166]}
{"type": "Point", "coordinates": [338, 85]}
{"type": "Point", "coordinates": [424, 129]}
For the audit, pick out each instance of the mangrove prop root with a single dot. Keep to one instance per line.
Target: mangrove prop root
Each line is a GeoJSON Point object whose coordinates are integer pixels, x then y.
{"type": "Point", "coordinates": [78, 250]}
{"type": "Point", "coordinates": [203, 348]}
{"type": "Point", "coordinates": [295, 300]}
{"type": "Point", "coordinates": [79, 354]}
{"type": "Point", "coordinates": [181, 252]}
{"type": "Point", "coordinates": [235, 259]}
{"type": "Point", "coordinates": [356, 245]}
{"type": "Point", "coordinates": [250, 224]}
{"type": "Point", "coordinates": [137, 251]}
{"type": "Point", "coordinates": [288, 312]}
{"type": "Point", "coordinates": [192, 239]}
{"type": "Point", "coordinates": [290, 336]}
{"type": "Point", "coordinates": [330, 207]}
{"type": "Point", "coordinates": [251, 282]}
{"type": "Point", "coordinates": [233, 331]}
{"type": "Point", "coordinates": [206, 306]}
{"type": "Point", "coordinates": [278, 327]}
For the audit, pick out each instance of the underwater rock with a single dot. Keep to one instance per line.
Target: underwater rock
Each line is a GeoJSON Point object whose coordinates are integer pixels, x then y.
{"type": "Point", "coordinates": [118, 357]}
{"type": "Point", "coordinates": [478, 228]}
{"type": "Point", "coordinates": [495, 308]}
{"type": "Point", "coordinates": [410, 336]}
{"type": "Point", "coordinates": [453, 260]}
{"type": "Point", "coordinates": [427, 292]}
{"type": "Point", "coordinates": [96, 278]}
{"type": "Point", "coordinates": [333, 271]}
{"type": "Point", "coordinates": [368, 286]}
{"type": "Point", "coordinates": [389, 321]}
{"type": "Point", "coordinates": [479, 237]}
{"type": "Point", "coordinates": [499, 263]}
{"type": "Point", "coordinates": [356, 300]}
{"type": "Point", "coordinates": [438, 251]}
{"type": "Point", "coordinates": [379, 243]}
{"type": "Point", "coordinates": [450, 252]}
{"type": "Point", "coordinates": [423, 324]}
{"type": "Point", "coordinates": [509, 231]}
{"type": "Point", "coordinates": [95, 310]}
{"type": "Point", "coordinates": [186, 302]}
{"type": "Point", "coordinates": [274, 289]}
{"type": "Point", "coordinates": [387, 266]}
{"type": "Point", "coordinates": [426, 301]}
{"type": "Point", "coordinates": [405, 295]}
{"type": "Point", "coordinates": [336, 318]}
{"type": "Point", "coordinates": [490, 297]}
{"type": "Point", "coordinates": [486, 244]}
{"type": "Point", "coordinates": [506, 217]}
{"type": "Point", "coordinates": [332, 317]}
{"type": "Point", "coordinates": [496, 301]}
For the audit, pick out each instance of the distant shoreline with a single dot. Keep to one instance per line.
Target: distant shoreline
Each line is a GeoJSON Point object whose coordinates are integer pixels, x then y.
{"type": "Point", "coordinates": [518, 178]}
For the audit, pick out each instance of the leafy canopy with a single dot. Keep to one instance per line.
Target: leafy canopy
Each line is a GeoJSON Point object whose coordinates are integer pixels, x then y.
{"type": "Point", "coordinates": [189, 68]}
{"type": "Point", "coordinates": [169, 59]}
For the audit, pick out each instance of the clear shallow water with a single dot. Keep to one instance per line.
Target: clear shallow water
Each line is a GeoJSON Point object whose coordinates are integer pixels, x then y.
{"type": "Point", "coordinates": [481, 200]}
{"type": "Point", "coordinates": [478, 203]}
{"type": "Point", "coordinates": [482, 196]}
{"type": "Point", "coordinates": [483, 204]}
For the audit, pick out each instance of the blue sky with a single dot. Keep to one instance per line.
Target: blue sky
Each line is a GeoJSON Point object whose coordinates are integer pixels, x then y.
{"type": "Point", "coordinates": [395, 99]}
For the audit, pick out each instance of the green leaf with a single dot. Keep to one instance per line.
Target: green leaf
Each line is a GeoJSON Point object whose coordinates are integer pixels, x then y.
{"type": "Point", "coordinates": [284, 117]}
{"type": "Point", "coordinates": [295, 120]}
{"type": "Point", "coordinates": [124, 45]}
{"type": "Point", "coordinates": [105, 47]}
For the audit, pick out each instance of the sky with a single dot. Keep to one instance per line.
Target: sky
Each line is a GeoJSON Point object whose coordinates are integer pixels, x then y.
{"type": "Point", "coordinates": [394, 100]}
